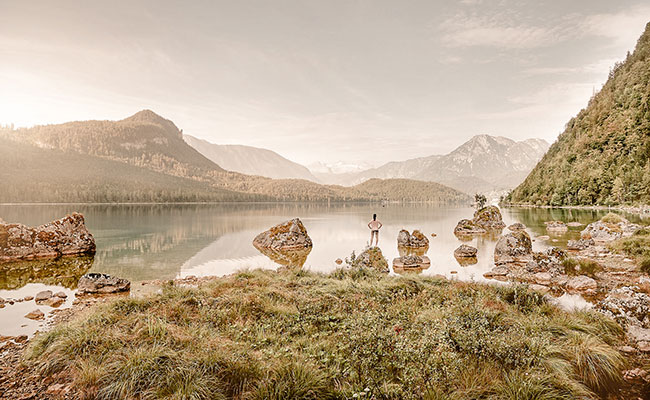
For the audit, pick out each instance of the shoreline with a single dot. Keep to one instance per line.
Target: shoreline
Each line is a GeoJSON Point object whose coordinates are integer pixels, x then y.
{"type": "Point", "coordinates": [642, 211]}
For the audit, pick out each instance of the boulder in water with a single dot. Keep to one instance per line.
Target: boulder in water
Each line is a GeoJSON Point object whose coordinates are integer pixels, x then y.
{"type": "Point", "coordinates": [556, 226]}
{"type": "Point", "coordinates": [465, 251]}
{"type": "Point", "coordinates": [94, 283]}
{"type": "Point", "coordinates": [66, 236]}
{"type": "Point", "coordinates": [515, 247]}
{"type": "Point", "coordinates": [412, 240]}
{"type": "Point", "coordinates": [467, 227]}
{"type": "Point", "coordinates": [289, 235]}
{"type": "Point", "coordinates": [489, 218]}
{"type": "Point", "coordinates": [602, 231]}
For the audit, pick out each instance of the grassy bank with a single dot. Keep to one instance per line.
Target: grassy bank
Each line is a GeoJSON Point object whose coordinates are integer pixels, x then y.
{"type": "Point", "coordinates": [636, 246]}
{"type": "Point", "coordinates": [298, 335]}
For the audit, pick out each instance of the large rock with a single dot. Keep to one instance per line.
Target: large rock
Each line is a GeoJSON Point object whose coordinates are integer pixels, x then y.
{"type": "Point", "coordinates": [94, 283]}
{"type": "Point", "coordinates": [581, 284]}
{"type": "Point", "coordinates": [515, 247]}
{"type": "Point", "coordinates": [43, 296]}
{"type": "Point", "coordinates": [467, 227]}
{"type": "Point", "coordinates": [289, 235]}
{"type": "Point", "coordinates": [67, 236]}
{"type": "Point", "coordinates": [371, 258]}
{"type": "Point", "coordinates": [601, 231]}
{"type": "Point", "coordinates": [413, 240]}
{"type": "Point", "coordinates": [517, 226]}
{"type": "Point", "coordinates": [489, 218]}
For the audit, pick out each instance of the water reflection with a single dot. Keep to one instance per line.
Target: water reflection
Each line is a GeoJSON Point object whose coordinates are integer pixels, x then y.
{"type": "Point", "coordinates": [62, 272]}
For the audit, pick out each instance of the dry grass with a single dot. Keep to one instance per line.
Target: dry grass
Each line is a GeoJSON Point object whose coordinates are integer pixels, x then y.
{"type": "Point", "coordinates": [298, 335]}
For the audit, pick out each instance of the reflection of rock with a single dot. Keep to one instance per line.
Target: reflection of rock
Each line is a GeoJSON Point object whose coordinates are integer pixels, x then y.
{"type": "Point", "coordinates": [289, 235]}
{"type": "Point", "coordinates": [580, 244]}
{"type": "Point", "coordinates": [288, 258]}
{"type": "Point", "coordinates": [66, 236]}
{"type": "Point", "coordinates": [64, 271]}
{"type": "Point", "coordinates": [411, 262]}
{"type": "Point", "coordinates": [489, 218]}
{"type": "Point", "coordinates": [414, 240]}
{"type": "Point", "coordinates": [102, 283]}
{"type": "Point", "coordinates": [514, 247]}
{"type": "Point", "coordinates": [556, 226]}
{"type": "Point", "coordinates": [606, 232]}
{"type": "Point", "coordinates": [371, 258]}
{"type": "Point", "coordinates": [517, 226]}
{"type": "Point", "coordinates": [411, 251]}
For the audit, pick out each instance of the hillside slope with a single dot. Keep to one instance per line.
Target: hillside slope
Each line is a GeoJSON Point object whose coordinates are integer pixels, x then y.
{"type": "Point", "coordinates": [29, 174]}
{"type": "Point", "coordinates": [250, 160]}
{"type": "Point", "coordinates": [603, 155]}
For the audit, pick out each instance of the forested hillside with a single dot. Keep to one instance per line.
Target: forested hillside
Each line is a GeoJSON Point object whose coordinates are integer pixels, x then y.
{"type": "Point", "coordinates": [603, 156]}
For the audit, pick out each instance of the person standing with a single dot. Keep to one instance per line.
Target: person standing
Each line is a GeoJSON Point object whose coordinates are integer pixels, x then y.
{"type": "Point", "coordinates": [374, 227]}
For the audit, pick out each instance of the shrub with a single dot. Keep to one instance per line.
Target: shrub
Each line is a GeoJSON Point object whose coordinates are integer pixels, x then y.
{"type": "Point", "coordinates": [612, 218]}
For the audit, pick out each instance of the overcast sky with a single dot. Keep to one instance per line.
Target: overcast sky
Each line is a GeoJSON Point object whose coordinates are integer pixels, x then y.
{"type": "Point", "coordinates": [325, 80]}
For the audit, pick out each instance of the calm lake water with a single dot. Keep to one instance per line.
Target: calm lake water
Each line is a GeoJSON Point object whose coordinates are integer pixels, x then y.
{"type": "Point", "coordinates": [145, 242]}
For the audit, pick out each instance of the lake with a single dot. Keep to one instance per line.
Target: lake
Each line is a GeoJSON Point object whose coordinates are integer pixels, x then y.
{"type": "Point", "coordinates": [146, 242]}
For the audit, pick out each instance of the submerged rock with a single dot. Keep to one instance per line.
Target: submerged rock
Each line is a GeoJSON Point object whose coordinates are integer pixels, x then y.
{"type": "Point", "coordinates": [35, 315]}
{"type": "Point", "coordinates": [515, 247]}
{"type": "Point", "coordinates": [517, 226]}
{"type": "Point", "coordinates": [289, 235]}
{"type": "Point", "coordinates": [411, 262]}
{"type": "Point", "coordinates": [413, 240]}
{"type": "Point", "coordinates": [66, 236]}
{"type": "Point", "coordinates": [556, 226]}
{"type": "Point", "coordinates": [94, 283]}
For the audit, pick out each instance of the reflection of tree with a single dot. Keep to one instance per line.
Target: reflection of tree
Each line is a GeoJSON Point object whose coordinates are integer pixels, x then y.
{"type": "Point", "coordinates": [64, 271]}
{"type": "Point", "coordinates": [288, 258]}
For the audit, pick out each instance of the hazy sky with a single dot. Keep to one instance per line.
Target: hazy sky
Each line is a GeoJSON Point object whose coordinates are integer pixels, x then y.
{"type": "Point", "coordinates": [316, 80]}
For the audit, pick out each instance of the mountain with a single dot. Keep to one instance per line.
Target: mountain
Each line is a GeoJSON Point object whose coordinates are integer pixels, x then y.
{"type": "Point", "coordinates": [144, 158]}
{"type": "Point", "coordinates": [603, 156]}
{"type": "Point", "coordinates": [484, 163]}
{"type": "Point", "coordinates": [250, 160]}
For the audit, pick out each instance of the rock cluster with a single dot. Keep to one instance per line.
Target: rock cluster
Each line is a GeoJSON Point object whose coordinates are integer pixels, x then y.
{"type": "Point", "coordinates": [289, 235]}
{"type": "Point", "coordinates": [631, 308]}
{"type": "Point", "coordinates": [485, 220]}
{"type": "Point", "coordinates": [94, 283]}
{"type": "Point", "coordinates": [601, 231]}
{"type": "Point", "coordinates": [66, 236]}
{"type": "Point", "coordinates": [412, 240]}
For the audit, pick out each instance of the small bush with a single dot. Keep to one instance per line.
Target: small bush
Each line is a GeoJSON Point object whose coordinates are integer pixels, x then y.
{"type": "Point", "coordinates": [644, 265]}
{"type": "Point", "coordinates": [612, 218]}
{"type": "Point", "coordinates": [581, 266]}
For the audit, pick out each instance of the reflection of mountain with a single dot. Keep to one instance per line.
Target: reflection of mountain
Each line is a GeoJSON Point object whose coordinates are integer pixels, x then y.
{"type": "Point", "coordinates": [64, 272]}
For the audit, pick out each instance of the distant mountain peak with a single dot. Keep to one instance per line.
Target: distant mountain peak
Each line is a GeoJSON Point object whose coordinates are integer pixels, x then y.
{"type": "Point", "coordinates": [147, 116]}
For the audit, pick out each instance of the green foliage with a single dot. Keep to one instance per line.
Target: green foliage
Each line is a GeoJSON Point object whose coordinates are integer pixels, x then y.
{"type": "Point", "coordinates": [612, 218]}
{"type": "Point", "coordinates": [479, 200]}
{"type": "Point", "coordinates": [603, 156]}
{"type": "Point", "coordinates": [636, 246]}
{"type": "Point", "coordinates": [260, 334]}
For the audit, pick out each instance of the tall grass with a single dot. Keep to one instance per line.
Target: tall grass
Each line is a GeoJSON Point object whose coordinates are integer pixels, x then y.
{"type": "Point", "coordinates": [299, 335]}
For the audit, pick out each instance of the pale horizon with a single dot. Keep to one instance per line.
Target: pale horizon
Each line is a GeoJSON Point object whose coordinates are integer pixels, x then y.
{"type": "Point", "coordinates": [320, 81]}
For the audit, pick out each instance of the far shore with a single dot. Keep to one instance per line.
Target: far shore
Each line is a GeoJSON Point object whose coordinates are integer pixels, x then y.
{"type": "Point", "coordinates": [643, 211]}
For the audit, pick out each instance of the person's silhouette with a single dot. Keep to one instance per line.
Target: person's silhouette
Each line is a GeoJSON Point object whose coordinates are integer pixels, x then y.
{"type": "Point", "coordinates": [374, 227]}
